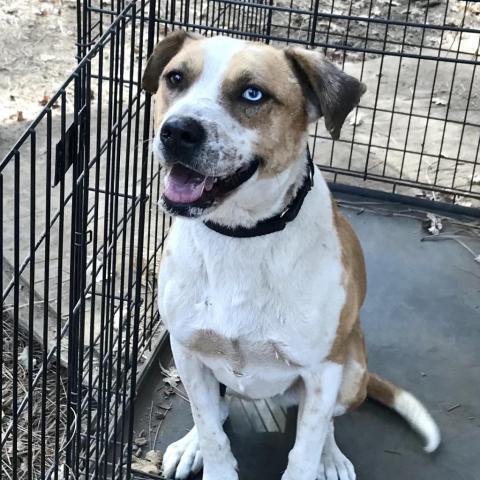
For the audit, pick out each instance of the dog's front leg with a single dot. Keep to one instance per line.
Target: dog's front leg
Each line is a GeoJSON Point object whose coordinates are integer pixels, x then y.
{"type": "Point", "coordinates": [318, 398]}
{"type": "Point", "coordinates": [204, 395]}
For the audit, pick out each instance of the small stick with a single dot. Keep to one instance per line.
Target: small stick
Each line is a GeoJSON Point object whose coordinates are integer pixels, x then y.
{"type": "Point", "coordinates": [158, 430]}
{"type": "Point", "coordinates": [454, 407]}
{"type": "Point", "coordinates": [392, 452]}
{"type": "Point", "coordinates": [150, 426]}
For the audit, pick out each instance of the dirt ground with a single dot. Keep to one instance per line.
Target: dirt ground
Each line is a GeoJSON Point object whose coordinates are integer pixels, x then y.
{"type": "Point", "coordinates": [37, 39]}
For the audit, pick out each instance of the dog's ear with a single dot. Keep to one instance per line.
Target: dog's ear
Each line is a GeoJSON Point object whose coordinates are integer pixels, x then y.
{"type": "Point", "coordinates": [330, 92]}
{"type": "Point", "coordinates": [165, 50]}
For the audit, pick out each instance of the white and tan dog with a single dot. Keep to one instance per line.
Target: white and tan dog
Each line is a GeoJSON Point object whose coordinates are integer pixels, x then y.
{"type": "Point", "coordinates": [273, 315]}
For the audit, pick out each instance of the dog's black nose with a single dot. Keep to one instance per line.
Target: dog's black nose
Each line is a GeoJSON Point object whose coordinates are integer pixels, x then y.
{"type": "Point", "coordinates": [181, 136]}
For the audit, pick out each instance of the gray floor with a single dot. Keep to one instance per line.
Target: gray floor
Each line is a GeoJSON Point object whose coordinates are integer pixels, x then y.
{"type": "Point", "coordinates": [422, 324]}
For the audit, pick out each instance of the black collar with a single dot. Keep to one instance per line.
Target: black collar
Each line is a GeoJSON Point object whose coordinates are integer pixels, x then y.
{"type": "Point", "coordinates": [276, 223]}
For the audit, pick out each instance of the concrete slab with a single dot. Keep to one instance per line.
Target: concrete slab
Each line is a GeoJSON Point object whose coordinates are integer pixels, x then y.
{"type": "Point", "coordinates": [422, 324]}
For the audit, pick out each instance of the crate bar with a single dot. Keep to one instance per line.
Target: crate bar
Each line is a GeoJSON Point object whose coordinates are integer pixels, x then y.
{"type": "Point", "coordinates": [326, 45]}
{"type": "Point", "coordinates": [16, 259]}
{"type": "Point", "coordinates": [33, 151]}
{"type": "Point", "coordinates": [449, 102]}
{"type": "Point", "coordinates": [120, 66]}
{"type": "Point", "coordinates": [56, 96]}
{"type": "Point", "coordinates": [141, 221]}
{"type": "Point", "coordinates": [61, 221]}
{"type": "Point", "coordinates": [121, 412]}
{"type": "Point", "coordinates": [46, 294]}
{"type": "Point", "coordinates": [299, 11]}
{"type": "Point", "coordinates": [1, 312]}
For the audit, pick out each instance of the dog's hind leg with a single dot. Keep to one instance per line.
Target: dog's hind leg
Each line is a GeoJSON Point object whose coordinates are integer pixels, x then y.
{"type": "Point", "coordinates": [183, 457]}
{"type": "Point", "coordinates": [334, 464]}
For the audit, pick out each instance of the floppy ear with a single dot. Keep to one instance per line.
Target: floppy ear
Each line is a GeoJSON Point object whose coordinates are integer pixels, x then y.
{"type": "Point", "coordinates": [330, 92]}
{"type": "Point", "coordinates": [163, 53]}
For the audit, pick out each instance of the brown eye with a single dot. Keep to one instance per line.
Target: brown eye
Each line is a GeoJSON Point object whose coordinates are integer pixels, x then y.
{"type": "Point", "coordinates": [175, 78]}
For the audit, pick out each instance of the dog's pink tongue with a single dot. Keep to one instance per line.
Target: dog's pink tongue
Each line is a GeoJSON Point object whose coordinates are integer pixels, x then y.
{"type": "Point", "coordinates": [183, 185]}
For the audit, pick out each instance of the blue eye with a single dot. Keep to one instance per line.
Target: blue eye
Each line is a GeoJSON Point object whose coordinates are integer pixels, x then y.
{"type": "Point", "coordinates": [252, 94]}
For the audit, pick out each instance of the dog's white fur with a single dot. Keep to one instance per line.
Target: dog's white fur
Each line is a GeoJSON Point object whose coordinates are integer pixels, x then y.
{"type": "Point", "coordinates": [278, 296]}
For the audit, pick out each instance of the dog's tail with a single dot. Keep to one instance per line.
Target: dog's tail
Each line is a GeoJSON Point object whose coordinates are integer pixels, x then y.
{"type": "Point", "coordinates": [409, 407]}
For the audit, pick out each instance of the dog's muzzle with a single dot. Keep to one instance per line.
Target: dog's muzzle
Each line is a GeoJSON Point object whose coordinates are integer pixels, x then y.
{"type": "Point", "coordinates": [181, 138]}
{"type": "Point", "coordinates": [186, 188]}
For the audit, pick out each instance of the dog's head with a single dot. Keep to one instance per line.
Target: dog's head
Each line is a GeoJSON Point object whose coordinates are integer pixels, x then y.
{"type": "Point", "coordinates": [230, 114]}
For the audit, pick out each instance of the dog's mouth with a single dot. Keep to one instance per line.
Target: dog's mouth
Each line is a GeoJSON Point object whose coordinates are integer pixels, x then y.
{"type": "Point", "coordinates": [185, 187]}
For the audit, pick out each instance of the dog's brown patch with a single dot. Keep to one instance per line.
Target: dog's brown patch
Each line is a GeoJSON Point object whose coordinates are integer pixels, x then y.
{"type": "Point", "coordinates": [181, 52]}
{"type": "Point", "coordinates": [381, 390]}
{"type": "Point", "coordinates": [354, 282]}
{"type": "Point", "coordinates": [162, 54]}
{"type": "Point", "coordinates": [349, 345]}
{"type": "Point", "coordinates": [210, 343]}
{"type": "Point", "coordinates": [353, 390]}
{"type": "Point", "coordinates": [281, 120]}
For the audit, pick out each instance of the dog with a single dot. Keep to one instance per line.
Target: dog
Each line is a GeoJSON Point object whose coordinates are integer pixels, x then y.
{"type": "Point", "coordinates": [262, 278]}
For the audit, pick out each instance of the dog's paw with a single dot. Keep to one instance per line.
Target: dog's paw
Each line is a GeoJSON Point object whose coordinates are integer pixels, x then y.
{"type": "Point", "coordinates": [335, 465]}
{"type": "Point", "coordinates": [220, 472]}
{"type": "Point", "coordinates": [183, 458]}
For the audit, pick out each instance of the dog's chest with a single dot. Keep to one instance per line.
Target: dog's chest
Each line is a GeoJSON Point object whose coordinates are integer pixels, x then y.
{"type": "Point", "coordinates": [256, 369]}
{"type": "Point", "coordinates": [255, 316]}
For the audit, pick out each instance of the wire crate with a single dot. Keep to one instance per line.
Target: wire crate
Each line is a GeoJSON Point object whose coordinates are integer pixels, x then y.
{"type": "Point", "coordinates": [416, 131]}
{"type": "Point", "coordinates": [81, 236]}
{"type": "Point", "coordinates": [80, 242]}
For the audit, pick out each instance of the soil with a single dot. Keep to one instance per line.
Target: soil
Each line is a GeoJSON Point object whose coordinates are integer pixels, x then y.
{"type": "Point", "coordinates": [37, 40]}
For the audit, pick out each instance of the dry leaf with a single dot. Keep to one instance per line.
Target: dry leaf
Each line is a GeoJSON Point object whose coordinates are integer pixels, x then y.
{"type": "Point", "coordinates": [44, 100]}
{"type": "Point", "coordinates": [144, 465]}
{"type": "Point", "coordinates": [154, 457]}
{"type": "Point", "coordinates": [435, 223]}
{"type": "Point", "coordinates": [148, 468]}
{"type": "Point", "coordinates": [140, 441]}
{"type": "Point", "coordinates": [164, 405]}
{"type": "Point", "coordinates": [20, 117]}
{"type": "Point", "coordinates": [171, 377]}
{"type": "Point", "coordinates": [439, 101]}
